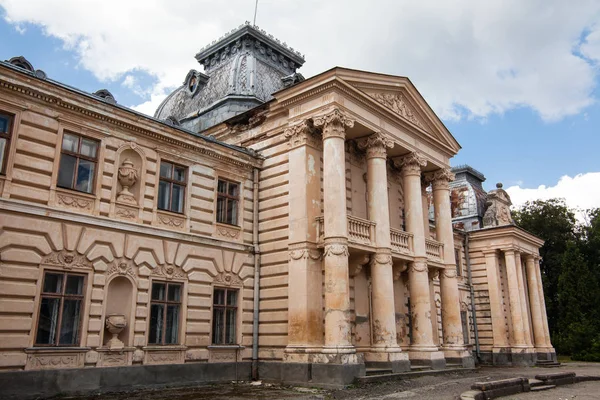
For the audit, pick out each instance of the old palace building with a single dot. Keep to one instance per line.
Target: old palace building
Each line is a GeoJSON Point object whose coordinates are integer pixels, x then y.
{"type": "Point", "coordinates": [259, 225]}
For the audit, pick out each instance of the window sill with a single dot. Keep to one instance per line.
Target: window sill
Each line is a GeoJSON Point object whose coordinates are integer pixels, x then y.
{"type": "Point", "coordinates": [57, 349]}
{"type": "Point", "coordinates": [226, 347]}
{"type": "Point", "coordinates": [228, 232]}
{"type": "Point", "coordinates": [75, 192]}
{"type": "Point", "coordinates": [170, 219]}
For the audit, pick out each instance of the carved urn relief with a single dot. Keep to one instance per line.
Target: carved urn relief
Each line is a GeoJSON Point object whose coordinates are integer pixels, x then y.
{"type": "Point", "coordinates": [127, 176]}
{"type": "Point", "coordinates": [115, 323]}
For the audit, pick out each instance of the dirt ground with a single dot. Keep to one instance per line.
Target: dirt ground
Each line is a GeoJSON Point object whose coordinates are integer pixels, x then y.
{"type": "Point", "coordinates": [445, 387]}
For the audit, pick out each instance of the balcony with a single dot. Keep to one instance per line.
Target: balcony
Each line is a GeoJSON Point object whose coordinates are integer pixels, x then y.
{"type": "Point", "coordinates": [434, 250]}
{"type": "Point", "coordinates": [402, 242]}
{"type": "Point", "coordinates": [360, 231]}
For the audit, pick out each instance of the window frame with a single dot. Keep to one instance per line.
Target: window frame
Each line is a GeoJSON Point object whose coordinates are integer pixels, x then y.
{"type": "Point", "coordinates": [8, 136]}
{"type": "Point", "coordinates": [166, 303]}
{"type": "Point", "coordinates": [79, 156]}
{"type": "Point", "coordinates": [225, 307]}
{"type": "Point", "coordinates": [62, 297]}
{"type": "Point", "coordinates": [228, 198]}
{"type": "Point", "coordinates": [172, 181]}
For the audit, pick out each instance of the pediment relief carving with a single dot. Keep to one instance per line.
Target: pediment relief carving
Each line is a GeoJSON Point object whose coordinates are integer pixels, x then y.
{"type": "Point", "coordinates": [67, 260]}
{"type": "Point", "coordinates": [397, 102]}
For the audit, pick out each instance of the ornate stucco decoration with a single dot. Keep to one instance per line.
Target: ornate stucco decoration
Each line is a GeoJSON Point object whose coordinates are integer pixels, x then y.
{"type": "Point", "coordinates": [303, 133]}
{"type": "Point", "coordinates": [333, 124]}
{"type": "Point", "coordinates": [82, 203]}
{"type": "Point", "coordinates": [228, 279]}
{"type": "Point", "coordinates": [376, 145]}
{"type": "Point", "coordinates": [228, 232]}
{"type": "Point", "coordinates": [105, 95]}
{"type": "Point", "coordinates": [128, 176]}
{"type": "Point", "coordinates": [398, 269]}
{"type": "Point", "coordinates": [397, 103]}
{"type": "Point", "coordinates": [357, 156]}
{"type": "Point", "coordinates": [411, 164]}
{"type": "Point", "coordinates": [441, 178]}
{"type": "Point", "coordinates": [67, 260]}
{"type": "Point", "coordinates": [122, 267]}
{"type": "Point", "coordinates": [169, 272]}
{"type": "Point", "coordinates": [304, 254]}
{"type": "Point", "coordinates": [498, 208]}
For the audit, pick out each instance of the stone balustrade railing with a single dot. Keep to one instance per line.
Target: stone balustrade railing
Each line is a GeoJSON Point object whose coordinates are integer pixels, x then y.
{"type": "Point", "coordinates": [434, 249]}
{"type": "Point", "coordinates": [360, 230]}
{"type": "Point", "coordinates": [401, 241]}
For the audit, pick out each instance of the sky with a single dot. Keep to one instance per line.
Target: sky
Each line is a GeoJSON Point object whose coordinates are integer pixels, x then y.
{"type": "Point", "coordinates": [515, 81]}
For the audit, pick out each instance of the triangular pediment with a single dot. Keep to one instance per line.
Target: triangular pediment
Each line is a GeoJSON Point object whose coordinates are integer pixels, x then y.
{"type": "Point", "coordinates": [398, 96]}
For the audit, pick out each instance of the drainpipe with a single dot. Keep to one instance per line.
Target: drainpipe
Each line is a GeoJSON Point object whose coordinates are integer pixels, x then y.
{"type": "Point", "coordinates": [256, 277]}
{"type": "Point", "coordinates": [473, 312]}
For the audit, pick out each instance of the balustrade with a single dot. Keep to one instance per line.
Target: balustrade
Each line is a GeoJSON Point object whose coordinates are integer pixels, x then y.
{"type": "Point", "coordinates": [401, 241]}
{"type": "Point", "coordinates": [434, 249]}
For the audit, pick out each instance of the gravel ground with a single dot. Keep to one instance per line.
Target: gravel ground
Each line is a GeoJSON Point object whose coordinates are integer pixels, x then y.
{"type": "Point", "coordinates": [445, 387]}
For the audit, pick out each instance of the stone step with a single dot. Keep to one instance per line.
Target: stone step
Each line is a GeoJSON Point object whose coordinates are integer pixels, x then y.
{"type": "Point", "coordinates": [547, 364]}
{"type": "Point", "coordinates": [415, 368]}
{"type": "Point", "coordinates": [543, 387]}
{"type": "Point", "coordinates": [535, 382]}
{"type": "Point", "coordinates": [412, 374]}
{"type": "Point", "coordinates": [377, 371]}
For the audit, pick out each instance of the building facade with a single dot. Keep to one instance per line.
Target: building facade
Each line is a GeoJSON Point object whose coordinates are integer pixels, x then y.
{"type": "Point", "coordinates": [260, 225]}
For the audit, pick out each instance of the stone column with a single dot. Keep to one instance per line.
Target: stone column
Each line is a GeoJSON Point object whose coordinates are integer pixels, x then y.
{"type": "Point", "coordinates": [337, 289]}
{"type": "Point", "coordinates": [382, 278]}
{"type": "Point", "coordinates": [515, 299]}
{"type": "Point", "coordinates": [543, 305]}
{"type": "Point", "coordinates": [422, 348]}
{"type": "Point", "coordinates": [536, 309]}
{"type": "Point", "coordinates": [495, 295]}
{"type": "Point", "coordinates": [453, 345]}
{"type": "Point", "coordinates": [305, 307]}
{"type": "Point", "coordinates": [523, 299]}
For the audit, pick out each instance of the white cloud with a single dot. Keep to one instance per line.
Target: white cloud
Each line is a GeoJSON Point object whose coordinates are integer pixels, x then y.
{"type": "Point", "coordinates": [469, 58]}
{"type": "Point", "coordinates": [580, 192]}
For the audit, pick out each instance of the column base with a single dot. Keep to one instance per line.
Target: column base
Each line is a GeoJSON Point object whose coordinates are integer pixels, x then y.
{"type": "Point", "coordinates": [300, 354]}
{"type": "Point", "coordinates": [523, 356]}
{"type": "Point", "coordinates": [343, 349]}
{"type": "Point", "coordinates": [434, 359]}
{"type": "Point", "coordinates": [459, 356]}
{"type": "Point", "coordinates": [546, 354]}
{"type": "Point", "coordinates": [396, 361]}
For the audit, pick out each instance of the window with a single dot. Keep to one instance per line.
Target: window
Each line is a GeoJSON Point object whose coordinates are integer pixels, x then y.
{"type": "Point", "coordinates": [6, 122]}
{"type": "Point", "coordinates": [59, 321]}
{"type": "Point", "coordinates": [224, 316]}
{"type": "Point", "coordinates": [171, 187]}
{"type": "Point", "coordinates": [457, 257]}
{"type": "Point", "coordinates": [465, 326]}
{"type": "Point", "coordinates": [228, 197]}
{"type": "Point", "coordinates": [165, 309]}
{"type": "Point", "coordinates": [78, 159]}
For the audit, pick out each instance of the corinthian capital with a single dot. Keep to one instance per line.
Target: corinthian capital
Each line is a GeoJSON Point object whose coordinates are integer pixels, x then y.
{"type": "Point", "coordinates": [303, 133]}
{"type": "Point", "coordinates": [376, 145]}
{"type": "Point", "coordinates": [440, 178]}
{"type": "Point", "coordinates": [334, 124]}
{"type": "Point", "coordinates": [411, 164]}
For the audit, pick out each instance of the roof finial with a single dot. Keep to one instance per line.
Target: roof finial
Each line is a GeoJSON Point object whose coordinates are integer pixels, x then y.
{"type": "Point", "coordinates": [255, 9]}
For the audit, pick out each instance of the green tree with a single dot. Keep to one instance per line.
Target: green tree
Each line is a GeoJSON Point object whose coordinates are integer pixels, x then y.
{"type": "Point", "coordinates": [554, 222]}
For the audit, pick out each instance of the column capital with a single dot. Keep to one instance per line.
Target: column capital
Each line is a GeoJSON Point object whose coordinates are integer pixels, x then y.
{"type": "Point", "coordinates": [411, 164]}
{"type": "Point", "coordinates": [440, 178]}
{"type": "Point", "coordinates": [334, 124]}
{"type": "Point", "coordinates": [303, 133]}
{"type": "Point", "coordinates": [376, 145]}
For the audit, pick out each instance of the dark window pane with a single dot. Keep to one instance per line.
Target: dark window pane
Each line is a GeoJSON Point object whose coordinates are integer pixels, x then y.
{"type": "Point", "coordinates": [221, 210]}
{"type": "Point", "coordinates": [3, 149]}
{"type": "Point", "coordinates": [219, 297]}
{"type": "Point", "coordinates": [70, 142]}
{"type": "Point", "coordinates": [156, 323]}
{"type": "Point", "coordinates": [74, 285]}
{"type": "Point", "coordinates": [172, 324]}
{"type": "Point", "coordinates": [232, 211]}
{"type": "Point", "coordinates": [66, 171]}
{"type": "Point", "coordinates": [179, 174]}
{"type": "Point", "coordinates": [222, 187]}
{"type": "Point", "coordinates": [231, 298]}
{"type": "Point", "coordinates": [88, 147]}
{"type": "Point", "coordinates": [230, 327]}
{"type": "Point", "coordinates": [4, 124]}
{"type": "Point", "coordinates": [69, 326]}
{"type": "Point", "coordinates": [53, 283]}
{"type": "Point", "coordinates": [164, 193]}
{"type": "Point", "coordinates": [177, 200]}
{"type": "Point", "coordinates": [174, 293]}
{"type": "Point", "coordinates": [48, 321]}
{"type": "Point", "coordinates": [218, 322]}
{"type": "Point", "coordinates": [165, 170]}
{"type": "Point", "coordinates": [234, 189]}
{"type": "Point", "coordinates": [85, 176]}
{"type": "Point", "coordinates": [158, 291]}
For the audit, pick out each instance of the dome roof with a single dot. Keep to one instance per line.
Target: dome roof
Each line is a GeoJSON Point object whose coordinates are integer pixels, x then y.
{"type": "Point", "coordinates": [242, 70]}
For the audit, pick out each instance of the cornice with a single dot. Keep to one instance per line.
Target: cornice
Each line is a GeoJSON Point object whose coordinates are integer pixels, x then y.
{"type": "Point", "coordinates": [67, 105]}
{"type": "Point", "coordinates": [505, 231]}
